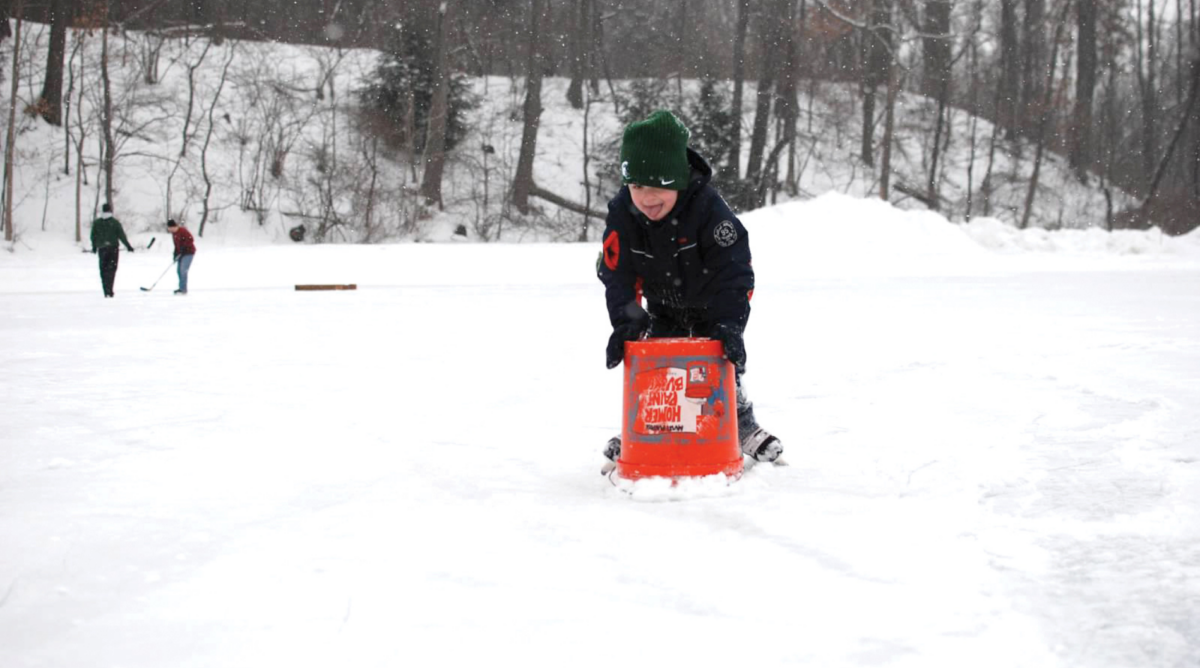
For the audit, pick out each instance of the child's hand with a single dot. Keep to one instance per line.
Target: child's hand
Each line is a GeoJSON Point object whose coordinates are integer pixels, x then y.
{"type": "Point", "coordinates": [730, 337]}
{"type": "Point", "coordinates": [616, 343]}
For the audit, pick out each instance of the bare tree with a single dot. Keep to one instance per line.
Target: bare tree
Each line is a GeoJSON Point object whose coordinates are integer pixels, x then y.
{"type": "Point", "coordinates": [81, 126]}
{"type": "Point", "coordinates": [50, 103]}
{"type": "Point", "coordinates": [12, 124]}
{"type": "Point", "coordinates": [762, 108]}
{"type": "Point", "coordinates": [739, 75]}
{"type": "Point", "coordinates": [1007, 91]}
{"type": "Point", "coordinates": [189, 128]}
{"type": "Point", "coordinates": [787, 107]}
{"type": "Point", "coordinates": [5, 15]}
{"type": "Point", "coordinates": [1033, 61]}
{"type": "Point", "coordinates": [579, 39]}
{"type": "Point", "coordinates": [1085, 88]}
{"type": "Point", "coordinates": [523, 179]}
{"type": "Point", "coordinates": [1184, 118]}
{"type": "Point", "coordinates": [936, 82]}
{"type": "Point", "coordinates": [106, 119]}
{"type": "Point", "coordinates": [205, 202]}
{"type": "Point", "coordinates": [435, 143]}
{"type": "Point", "coordinates": [973, 105]}
{"type": "Point", "coordinates": [1044, 115]}
{"type": "Point", "coordinates": [889, 132]}
{"type": "Point", "coordinates": [1146, 62]}
{"type": "Point", "coordinates": [877, 63]}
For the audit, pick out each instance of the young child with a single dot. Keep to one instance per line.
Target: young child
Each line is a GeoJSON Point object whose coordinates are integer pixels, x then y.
{"type": "Point", "coordinates": [670, 237]}
{"type": "Point", "coordinates": [185, 252]}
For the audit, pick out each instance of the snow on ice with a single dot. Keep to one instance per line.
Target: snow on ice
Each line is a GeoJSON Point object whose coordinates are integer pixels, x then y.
{"type": "Point", "coordinates": [993, 439]}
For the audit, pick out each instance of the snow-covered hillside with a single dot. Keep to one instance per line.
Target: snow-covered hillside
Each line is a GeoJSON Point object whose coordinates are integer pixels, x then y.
{"type": "Point", "coordinates": [286, 147]}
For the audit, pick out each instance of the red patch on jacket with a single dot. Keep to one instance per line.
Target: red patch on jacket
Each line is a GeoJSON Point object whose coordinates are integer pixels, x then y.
{"type": "Point", "coordinates": [612, 250]}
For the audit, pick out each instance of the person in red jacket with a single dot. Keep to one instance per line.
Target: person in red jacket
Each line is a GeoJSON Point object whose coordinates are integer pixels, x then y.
{"type": "Point", "coordinates": [185, 250]}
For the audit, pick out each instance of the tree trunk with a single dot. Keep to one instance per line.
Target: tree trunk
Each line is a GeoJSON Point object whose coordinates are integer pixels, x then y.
{"type": "Point", "coordinates": [681, 60]}
{"type": "Point", "coordinates": [587, 190]}
{"type": "Point", "coordinates": [206, 207]}
{"type": "Point", "coordinates": [867, 149]}
{"type": "Point", "coordinates": [936, 48]}
{"type": "Point", "coordinates": [1048, 92]}
{"type": "Point", "coordinates": [5, 15]}
{"type": "Point", "coordinates": [523, 179]}
{"type": "Point", "coordinates": [937, 73]}
{"type": "Point", "coordinates": [877, 59]}
{"type": "Point", "coordinates": [52, 88]}
{"type": "Point", "coordinates": [1184, 118]}
{"type": "Point", "coordinates": [578, 40]}
{"type": "Point", "coordinates": [1007, 95]}
{"type": "Point", "coordinates": [1080, 156]}
{"type": "Point", "coordinates": [889, 115]}
{"type": "Point", "coordinates": [1111, 133]}
{"type": "Point", "coordinates": [787, 104]}
{"type": "Point", "coordinates": [973, 105]}
{"type": "Point", "coordinates": [15, 73]}
{"type": "Point", "coordinates": [762, 106]}
{"type": "Point", "coordinates": [81, 139]}
{"type": "Point", "coordinates": [739, 75]}
{"type": "Point", "coordinates": [797, 57]}
{"type": "Point", "coordinates": [1032, 62]}
{"type": "Point", "coordinates": [435, 133]}
{"type": "Point", "coordinates": [597, 46]}
{"type": "Point", "coordinates": [1150, 94]}
{"type": "Point", "coordinates": [106, 121]}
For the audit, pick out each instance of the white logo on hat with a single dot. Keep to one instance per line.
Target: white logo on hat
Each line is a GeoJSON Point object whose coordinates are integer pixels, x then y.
{"type": "Point", "coordinates": [625, 169]}
{"type": "Point", "coordinates": [725, 234]}
{"type": "Point", "coordinates": [666, 182]}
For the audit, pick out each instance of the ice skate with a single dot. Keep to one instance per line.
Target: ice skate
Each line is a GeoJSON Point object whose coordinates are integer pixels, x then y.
{"type": "Point", "coordinates": [762, 446]}
{"type": "Point", "coordinates": [612, 451]}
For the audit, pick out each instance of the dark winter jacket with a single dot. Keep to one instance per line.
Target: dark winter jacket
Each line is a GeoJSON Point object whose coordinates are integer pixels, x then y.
{"type": "Point", "coordinates": [184, 243]}
{"type": "Point", "coordinates": [693, 266]}
{"type": "Point", "coordinates": [108, 233]}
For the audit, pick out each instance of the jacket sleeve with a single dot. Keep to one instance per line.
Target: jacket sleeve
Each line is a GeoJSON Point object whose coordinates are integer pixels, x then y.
{"type": "Point", "coordinates": [122, 237]}
{"type": "Point", "coordinates": [615, 268]}
{"type": "Point", "coordinates": [725, 248]}
{"type": "Point", "coordinates": [93, 236]}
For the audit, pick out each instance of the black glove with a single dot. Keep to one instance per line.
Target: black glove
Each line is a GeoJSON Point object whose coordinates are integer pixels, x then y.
{"type": "Point", "coordinates": [616, 343]}
{"type": "Point", "coordinates": [730, 336]}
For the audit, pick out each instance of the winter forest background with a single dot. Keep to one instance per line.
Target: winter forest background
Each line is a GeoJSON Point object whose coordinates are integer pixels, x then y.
{"type": "Point", "coordinates": [372, 120]}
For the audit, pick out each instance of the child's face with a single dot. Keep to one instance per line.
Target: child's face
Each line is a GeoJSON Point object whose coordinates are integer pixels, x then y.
{"type": "Point", "coordinates": [654, 203]}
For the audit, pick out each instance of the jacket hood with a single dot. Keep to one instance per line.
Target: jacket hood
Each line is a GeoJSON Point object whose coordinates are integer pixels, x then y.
{"type": "Point", "coordinates": [701, 171]}
{"type": "Point", "coordinates": [701, 174]}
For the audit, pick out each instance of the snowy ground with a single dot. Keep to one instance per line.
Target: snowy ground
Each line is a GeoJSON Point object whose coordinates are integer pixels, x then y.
{"type": "Point", "coordinates": [995, 459]}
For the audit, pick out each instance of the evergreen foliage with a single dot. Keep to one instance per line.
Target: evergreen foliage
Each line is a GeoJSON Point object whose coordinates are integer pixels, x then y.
{"type": "Point", "coordinates": [406, 75]}
{"type": "Point", "coordinates": [709, 117]}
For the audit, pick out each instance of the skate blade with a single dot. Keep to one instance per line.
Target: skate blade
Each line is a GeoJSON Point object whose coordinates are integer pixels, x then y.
{"type": "Point", "coordinates": [751, 462]}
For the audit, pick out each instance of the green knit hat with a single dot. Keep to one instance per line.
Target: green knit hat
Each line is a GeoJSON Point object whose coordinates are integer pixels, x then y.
{"type": "Point", "coordinates": [654, 152]}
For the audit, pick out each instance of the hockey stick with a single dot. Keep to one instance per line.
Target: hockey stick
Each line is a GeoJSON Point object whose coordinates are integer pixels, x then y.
{"type": "Point", "coordinates": [160, 276]}
{"type": "Point", "coordinates": [148, 246]}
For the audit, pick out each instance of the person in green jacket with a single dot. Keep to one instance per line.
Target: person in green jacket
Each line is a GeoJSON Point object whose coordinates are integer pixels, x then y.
{"type": "Point", "coordinates": [107, 235]}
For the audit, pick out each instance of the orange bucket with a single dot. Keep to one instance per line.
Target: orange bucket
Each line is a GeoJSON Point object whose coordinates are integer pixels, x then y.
{"type": "Point", "coordinates": [680, 410]}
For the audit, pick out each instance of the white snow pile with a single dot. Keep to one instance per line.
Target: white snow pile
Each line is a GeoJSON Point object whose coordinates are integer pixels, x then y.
{"type": "Point", "coordinates": [998, 235]}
